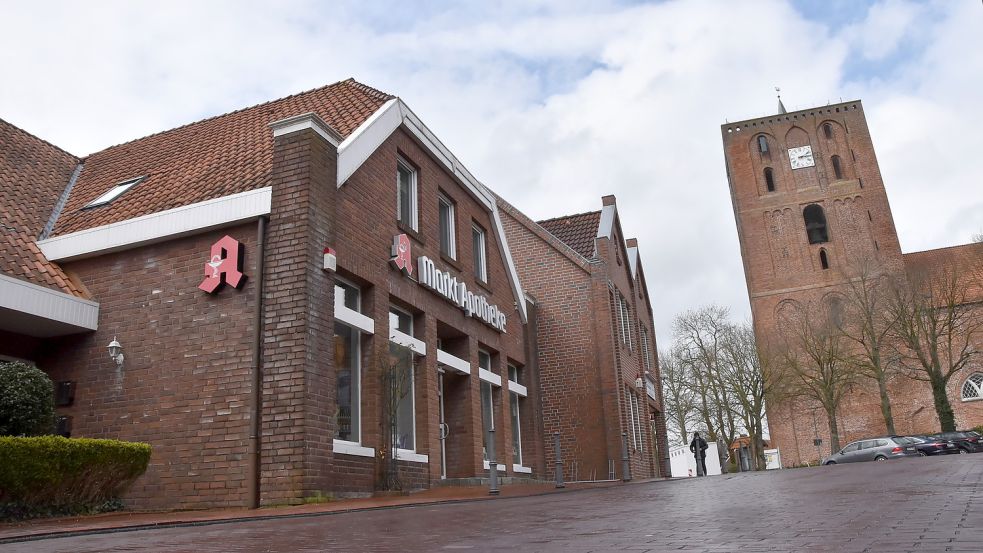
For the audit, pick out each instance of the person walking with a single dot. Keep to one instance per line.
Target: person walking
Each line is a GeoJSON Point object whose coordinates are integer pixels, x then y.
{"type": "Point", "coordinates": [699, 449]}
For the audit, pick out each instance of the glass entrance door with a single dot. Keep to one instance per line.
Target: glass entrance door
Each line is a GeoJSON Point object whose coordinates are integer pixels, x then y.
{"type": "Point", "coordinates": [442, 428]}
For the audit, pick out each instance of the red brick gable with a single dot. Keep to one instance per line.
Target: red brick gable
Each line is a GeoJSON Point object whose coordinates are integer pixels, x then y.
{"type": "Point", "coordinates": [966, 261]}
{"type": "Point", "coordinates": [33, 175]}
{"type": "Point", "coordinates": [208, 159]}
{"type": "Point", "coordinates": [577, 231]}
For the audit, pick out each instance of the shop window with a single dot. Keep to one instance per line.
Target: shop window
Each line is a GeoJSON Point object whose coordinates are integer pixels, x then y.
{"type": "Point", "coordinates": [762, 144]}
{"type": "Point", "coordinates": [348, 377]}
{"type": "Point", "coordinates": [114, 192]}
{"type": "Point", "coordinates": [479, 253]}
{"type": "Point", "coordinates": [631, 403]}
{"type": "Point", "coordinates": [770, 179]}
{"type": "Point", "coordinates": [406, 194]}
{"type": "Point", "coordinates": [514, 402]}
{"type": "Point", "coordinates": [837, 167]}
{"type": "Point", "coordinates": [401, 381]}
{"type": "Point", "coordinates": [445, 210]}
{"type": "Point", "coordinates": [815, 221]}
{"type": "Point", "coordinates": [973, 387]}
{"type": "Point", "coordinates": [487, 402]}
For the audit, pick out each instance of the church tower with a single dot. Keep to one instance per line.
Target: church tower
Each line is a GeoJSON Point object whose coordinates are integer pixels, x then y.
{"type": "Point", "coordinates": [811, 208]}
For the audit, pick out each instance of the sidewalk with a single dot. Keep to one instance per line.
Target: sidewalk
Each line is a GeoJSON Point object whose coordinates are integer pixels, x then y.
{"type": "Point", "coordinates": [122, 521]}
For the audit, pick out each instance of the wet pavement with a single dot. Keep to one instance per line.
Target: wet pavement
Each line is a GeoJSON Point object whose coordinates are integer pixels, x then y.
{"type": "Point", "coordinates": [922, 504]}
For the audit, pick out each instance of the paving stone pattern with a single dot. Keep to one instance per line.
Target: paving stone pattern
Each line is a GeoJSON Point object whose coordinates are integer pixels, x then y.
{"type": "Point", "coordinates": [925, 504]}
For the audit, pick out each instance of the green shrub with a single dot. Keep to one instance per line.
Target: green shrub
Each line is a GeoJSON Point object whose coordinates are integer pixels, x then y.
{"type": "Point", "coordinates": [27, 403]}
{"type": "Point", "coordinates": [51, 474]}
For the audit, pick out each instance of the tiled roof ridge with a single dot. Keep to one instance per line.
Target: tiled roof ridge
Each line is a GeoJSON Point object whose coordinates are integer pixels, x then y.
{"type": "Point", "coordinates": [966, 245]}
{"type": "Point", "coordinates": [571, 216]}
{"type": "Point", "coordinates": [39, 139]}
{"type": "Point", "coordinates": [347, 82]}
{"type": "Point", "coordinates": [537, 229]}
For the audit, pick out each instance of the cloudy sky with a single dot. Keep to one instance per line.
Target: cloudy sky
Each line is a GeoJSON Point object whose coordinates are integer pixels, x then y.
{"type": "Point", "coordinates": [550, 103]}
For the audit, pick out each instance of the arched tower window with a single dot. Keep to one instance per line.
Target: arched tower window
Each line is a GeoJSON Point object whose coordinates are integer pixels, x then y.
{"type": "Point", "coordinates": [837, 167]}
{"type": "Point", "coordinates": [823, 259]}
{"type": "Point", "coordinates": [770, 179]}
{"type": "Point", "coordinates": [762, 144]}
{"type": "Point", "coordinates": [973, 387]}
{"type": "Point", "coordinates": [815, 220]}
{"type": "Point", "coordinates": [828, 130]}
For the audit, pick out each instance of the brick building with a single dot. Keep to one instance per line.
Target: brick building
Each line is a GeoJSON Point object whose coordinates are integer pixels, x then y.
{"type": "Point", "coordinates": [811, 211]}
{"type": "Point", "coordinates": [598, 371]}
{"type": "Point", "coordinates": [273, 276]}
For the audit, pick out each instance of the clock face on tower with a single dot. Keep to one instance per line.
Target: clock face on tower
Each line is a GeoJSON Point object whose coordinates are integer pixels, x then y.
{"type": "Point", "coordinates": [801, 157]}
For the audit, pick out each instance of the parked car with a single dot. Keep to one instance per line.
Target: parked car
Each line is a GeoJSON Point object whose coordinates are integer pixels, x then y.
{"type": "Point", "coordinates": [873, 449]}
{"type": "Point", "coordinates": [930, 445]}
{"type": "Point", "coordinates": [967, 442]}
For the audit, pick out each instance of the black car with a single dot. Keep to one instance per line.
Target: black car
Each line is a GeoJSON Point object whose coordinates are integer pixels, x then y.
{"type": "Point", "coordinates": [967, 442]}
{"type": "Point", "coordinates": [929, 445]}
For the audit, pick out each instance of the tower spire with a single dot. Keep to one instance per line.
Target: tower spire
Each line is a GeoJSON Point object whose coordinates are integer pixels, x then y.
{"type": "Point", "coordinates": [781, 106]}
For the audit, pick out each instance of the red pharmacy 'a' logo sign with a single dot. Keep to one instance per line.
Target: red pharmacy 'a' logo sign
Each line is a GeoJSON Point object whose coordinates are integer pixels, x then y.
{"type": "Point", "coordinates": [224, 266]}
{"type": "Point", "coordinates": [401, 258]}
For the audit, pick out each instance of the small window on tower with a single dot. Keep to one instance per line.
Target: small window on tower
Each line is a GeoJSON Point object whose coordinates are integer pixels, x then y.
{"type": "Point", "coordinates": [837, 168]}
{"type": "Point", "coordinates": [770, 179]}
{"type": "Point", "coordinates": [823, 259]}
{"type": "Point", "coordinates": [828, 130]}
{"type": "Point", "coordinates": [762, 144]}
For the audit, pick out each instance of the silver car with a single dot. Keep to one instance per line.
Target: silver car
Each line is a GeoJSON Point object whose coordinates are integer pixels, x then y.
{"type": "Point", "coordinates": [873, 449]}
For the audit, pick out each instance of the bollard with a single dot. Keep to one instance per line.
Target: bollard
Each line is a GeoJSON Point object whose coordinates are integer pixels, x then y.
{"type": "Point", "coordinates": [559, 461]}
{"type": "Point", "coordinates": [492, 464]}
{"type": "Point", "coordinates": [625, 465]}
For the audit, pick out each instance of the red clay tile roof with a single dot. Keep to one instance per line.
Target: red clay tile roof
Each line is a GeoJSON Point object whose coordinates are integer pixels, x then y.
{"type": "Point", "coordinates": [577, 231]}
{"type": "Point", "coordinates": [965, 260]}
{"type": "Point", "coordinates": [216, 157]}
{"type": "Point", "coordinates": [33, 175]}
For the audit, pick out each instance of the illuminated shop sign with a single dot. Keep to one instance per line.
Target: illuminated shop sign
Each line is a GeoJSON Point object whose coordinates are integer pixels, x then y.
{"type": "Point", "coordinates": [446, 285]}
{"type": "Point", "coordinates": [224, 266]}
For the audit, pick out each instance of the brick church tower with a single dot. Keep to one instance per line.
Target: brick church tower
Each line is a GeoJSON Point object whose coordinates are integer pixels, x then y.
{"type": "Point", "coordinates": [810, 207]}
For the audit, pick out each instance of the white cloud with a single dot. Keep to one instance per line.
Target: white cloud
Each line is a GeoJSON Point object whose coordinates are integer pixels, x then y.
{"type": "Point", "coordinates": [551, 104]}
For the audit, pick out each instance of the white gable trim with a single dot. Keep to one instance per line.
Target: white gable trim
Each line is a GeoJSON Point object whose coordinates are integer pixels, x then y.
{"type": "Point", "coordinates": [606, 226]}
{"type": "Point", "coordinates": [39, 301]}
{"type": "Point", "coordinates": [157, 227]}
{"type": "Point", "coordinates": [367, 138]}
{"type": "Point", "coordinates": [633, 261]}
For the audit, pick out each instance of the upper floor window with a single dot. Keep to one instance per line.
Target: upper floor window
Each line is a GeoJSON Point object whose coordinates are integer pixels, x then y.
{"type": "Point", "coordinates": [624, 320]}
{"type": "Point", "coordinates": [406, 194]}
{"type": "Point", "coordinates": [114, 192]}
{"type": "Point", "coordinates": [828, 130]}
{"type": "Point", "coordinates": [973, 387]}
{"type": "Point", "coordinates": [815, 220]}
{"type": "Point", "coordinates": [837, 167]}
{"type": "Point", "coordinates": [762, 144]}
{"type": "Point", "coordinates": [401, 321]}
{"type": "Point", "coordinates": [445, 210]}
{"type": "Point", "coordinates": [770, 179]}
{"type": "Point", "coordinates": [479, 253]}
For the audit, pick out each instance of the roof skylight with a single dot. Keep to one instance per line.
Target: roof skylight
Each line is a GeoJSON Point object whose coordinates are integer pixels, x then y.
{"type": "Point", "coordinates": [113, 192]}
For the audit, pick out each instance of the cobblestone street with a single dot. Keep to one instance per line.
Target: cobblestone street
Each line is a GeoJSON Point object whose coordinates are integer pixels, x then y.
{"type": "Point", "coordinates": [924, 504]}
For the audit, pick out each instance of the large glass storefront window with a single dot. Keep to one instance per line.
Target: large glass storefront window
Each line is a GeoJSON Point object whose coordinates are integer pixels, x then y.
{"type": "Point", "coordinates": [346, 349]}
{"type": "Point", "coordinates": [516, 430]}
{"type": "Point", "coordinates": [487, 415]}
{"type": "Point", "coordinates": [401, 381]}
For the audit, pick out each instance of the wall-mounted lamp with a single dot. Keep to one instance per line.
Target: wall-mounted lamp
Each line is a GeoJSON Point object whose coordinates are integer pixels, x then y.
{"type": "Point", "coordinates": [639, 383]}
{"type": "Point", "coordinates": [116, 352]}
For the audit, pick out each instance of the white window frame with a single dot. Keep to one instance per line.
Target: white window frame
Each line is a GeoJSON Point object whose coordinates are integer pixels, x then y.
{"type": "Point", "coordinates": [517, 431]}
{"type": "Point", "coordinates": [975, 381]}
{"type": "Point", "coordinates": [360, 324]}
{"type": "Point", "coordinates": [399, 338]}
{"type": "Point", "coordinates": [116, 191]}
{"type": "Point", "coordinates": [452, 231]}
{"type": "Point", "coordinates": [413, 223]}
{"type": "Point", "coordinates": [480, 269]}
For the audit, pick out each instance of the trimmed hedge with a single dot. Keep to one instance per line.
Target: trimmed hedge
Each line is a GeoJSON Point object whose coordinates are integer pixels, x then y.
{"type": "Point", "coordinates": [55, 475]}
{"type": "Point", "coordinates": [27, 404]}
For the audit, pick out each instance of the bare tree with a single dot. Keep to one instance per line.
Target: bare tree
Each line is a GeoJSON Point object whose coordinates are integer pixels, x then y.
{"type": "Point", "coordinates": [978, 237]}
{"type": "Point", "coordinates": [700, 334]}
{"type": "Point", "coordinates": [938, 329]}
{"type": "Point", "coordinates": [752, 376]}
{"type": "Point", "coordinates": [814, 358]}
{"type": "Point", "coordinates": [678, 394]}
{"type": "Point", "coordinates": [867, 321]}
{"type": "Point", "coordinates": [397, 382]}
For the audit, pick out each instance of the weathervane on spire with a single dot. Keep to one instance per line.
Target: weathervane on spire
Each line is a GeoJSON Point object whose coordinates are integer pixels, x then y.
{"type": "Point", "coordinates": [781, 106]}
